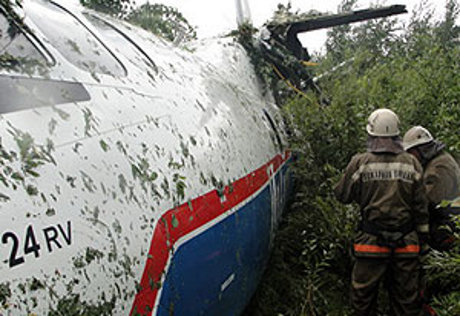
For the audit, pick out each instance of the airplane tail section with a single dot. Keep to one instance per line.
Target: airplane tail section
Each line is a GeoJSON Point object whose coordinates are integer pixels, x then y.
{"type": "Point", "coordinates": [243, 12]}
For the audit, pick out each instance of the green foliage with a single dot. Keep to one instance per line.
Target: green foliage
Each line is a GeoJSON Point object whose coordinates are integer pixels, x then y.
{"type": "Point", "coordinates": [443, 271]}
{"type": "Point", "coordinates": [72, 305]}
{"type": "Point", "coordinates": [245, 36]}
{"type": "Point", "coordinates": [5, 293]}
{"type": "Point", "coordinates": [163, 21]}
{"type": "Point", "coordinates": [117, 8]}
{"type": "Point", "coordinates": [284, 13]}
{"type": "Point", "coordinates": [415, 73]}
{"type": "Point", "coordinates": [447, 305]}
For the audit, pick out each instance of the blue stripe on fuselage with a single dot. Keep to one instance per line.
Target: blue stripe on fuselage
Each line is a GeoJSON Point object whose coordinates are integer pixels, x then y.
{"type": "Point", "coordinates": [217, 272]}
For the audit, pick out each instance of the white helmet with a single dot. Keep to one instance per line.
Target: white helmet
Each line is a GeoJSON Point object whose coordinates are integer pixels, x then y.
{"type": "Point", "coordinates": [383, 123]}
{"type": "Point", "coordinates": [417, 135]}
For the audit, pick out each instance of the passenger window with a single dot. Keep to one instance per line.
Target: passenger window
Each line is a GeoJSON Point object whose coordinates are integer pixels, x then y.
{"type": "Point", "coordinates": [15, 47]}
{"type": "Point", "coordinates": [121, 42]}
{"type": "Point", "coordinates": [72, 39]}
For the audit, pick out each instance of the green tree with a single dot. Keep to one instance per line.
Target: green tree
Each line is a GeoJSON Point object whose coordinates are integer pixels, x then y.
{"type": "Point", "coordinates": [117, 8]}
{"type": "Point", "coordinates": [163, 21]}
{"type": "Point", "coordinates": [412, 70]}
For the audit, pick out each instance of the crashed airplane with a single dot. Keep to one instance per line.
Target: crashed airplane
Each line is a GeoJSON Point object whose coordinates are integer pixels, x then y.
{"type": "Point", "coordinates": [136, 177]}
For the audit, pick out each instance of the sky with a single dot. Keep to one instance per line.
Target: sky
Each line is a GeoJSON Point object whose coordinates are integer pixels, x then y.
{"type": "Point", "coordinates": [217, 17]}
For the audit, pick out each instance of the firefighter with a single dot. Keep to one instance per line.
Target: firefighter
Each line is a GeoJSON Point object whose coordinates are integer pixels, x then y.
{"type": "Point", "coordinates": [441, 179]}
{"type": "Point", "coordinates": [386, 183]}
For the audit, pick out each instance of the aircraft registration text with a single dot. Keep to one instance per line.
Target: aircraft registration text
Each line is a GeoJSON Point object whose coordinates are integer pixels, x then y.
{"type": "Point", "coordinates": [54, 237]}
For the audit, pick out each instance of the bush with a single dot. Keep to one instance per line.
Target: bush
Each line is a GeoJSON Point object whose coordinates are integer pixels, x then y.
{"type": "Point", "coordinates": [413, 72]}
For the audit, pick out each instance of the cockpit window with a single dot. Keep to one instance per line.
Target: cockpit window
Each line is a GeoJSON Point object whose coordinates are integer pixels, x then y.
{"type": "Point", "coordinates": [15, 48]}
{"type": "Point", "coordinates": [121, 42]}
{"type": "Point", "coordinates": [72, 39]}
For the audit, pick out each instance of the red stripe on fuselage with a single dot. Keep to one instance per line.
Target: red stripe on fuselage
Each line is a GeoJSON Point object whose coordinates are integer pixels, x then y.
{"type": "Point", "coordinates": [186, 218]}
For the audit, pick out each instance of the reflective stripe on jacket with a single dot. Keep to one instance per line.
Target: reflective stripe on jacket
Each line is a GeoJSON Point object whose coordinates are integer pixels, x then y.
{"type": "Point", "coordinates": [367, 245]}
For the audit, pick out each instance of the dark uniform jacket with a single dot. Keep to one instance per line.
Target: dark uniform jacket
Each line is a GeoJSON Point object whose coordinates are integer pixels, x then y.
{"type": "Point", "coordinates": [389, 190]}
{"type": "Point", "coordinates": [441, 179]}
{"type": "Point", "coordinates": [442, 184]}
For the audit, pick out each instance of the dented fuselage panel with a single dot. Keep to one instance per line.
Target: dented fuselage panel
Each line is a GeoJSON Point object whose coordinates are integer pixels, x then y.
{"type": "Point", "coordinates": [148, 184]}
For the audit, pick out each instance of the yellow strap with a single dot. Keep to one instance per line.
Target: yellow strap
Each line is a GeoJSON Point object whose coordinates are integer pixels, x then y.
{"type": "Point", "coordinates": [288, 82]}
{"type": "Point", "coordinates": [309, 63]}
